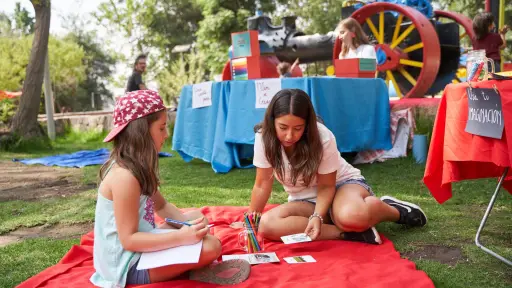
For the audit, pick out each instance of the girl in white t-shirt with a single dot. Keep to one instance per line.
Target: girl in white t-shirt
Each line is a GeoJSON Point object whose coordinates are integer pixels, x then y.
{"type": "Point", "coordinates": [354, 41]}
{"type": "Point", "coordinates": [328, 198]}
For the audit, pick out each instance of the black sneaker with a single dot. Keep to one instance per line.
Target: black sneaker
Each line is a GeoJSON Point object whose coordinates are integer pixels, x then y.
{"type": "Point", "coordinates": [410, 214]}
{"type": "Point", "coordinates": [370, 236]}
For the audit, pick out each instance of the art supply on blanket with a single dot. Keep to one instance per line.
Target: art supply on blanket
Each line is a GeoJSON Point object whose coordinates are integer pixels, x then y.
{"type": "Point", "coordinates": [185, 254]}
{"type": "Point", "coordinates": [296, 238]}
{"type": "Point", "coordinates": [299, 259]}
{"type": "Point", "coordinates": [172, 221]}
{"type": "Point", "coordinates": [249, 239]}
{"type": "Point", "coordinates": [256, 258]}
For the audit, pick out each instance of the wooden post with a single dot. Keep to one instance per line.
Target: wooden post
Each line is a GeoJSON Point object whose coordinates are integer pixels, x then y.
{"type": "Point", "coordinates": [48, 99]}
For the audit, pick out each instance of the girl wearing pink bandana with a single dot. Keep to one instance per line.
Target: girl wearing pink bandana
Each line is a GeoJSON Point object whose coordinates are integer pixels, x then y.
{"type": "Point", "coordinates": [128, 197]}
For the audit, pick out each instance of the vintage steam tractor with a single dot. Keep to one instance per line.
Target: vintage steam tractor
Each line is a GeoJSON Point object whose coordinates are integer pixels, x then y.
{"type": "Point", "coordinates": [416, 54]}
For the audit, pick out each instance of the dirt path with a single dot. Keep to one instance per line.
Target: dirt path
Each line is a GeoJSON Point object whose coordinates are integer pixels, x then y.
{"type": "Point", "coordinates": [58, 231]}
{"type": "Point", "coordinates": [24, 182]}
{"type": "Point", "coordinates": [32, 183]}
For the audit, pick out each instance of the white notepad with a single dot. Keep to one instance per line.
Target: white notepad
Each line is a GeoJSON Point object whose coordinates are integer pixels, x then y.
{"type": "Point", "coordinates": [178, 255]}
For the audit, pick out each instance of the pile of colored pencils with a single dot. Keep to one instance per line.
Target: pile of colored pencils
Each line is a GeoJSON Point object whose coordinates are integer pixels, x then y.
{"type": "Point", "coordinates": [252, 222]}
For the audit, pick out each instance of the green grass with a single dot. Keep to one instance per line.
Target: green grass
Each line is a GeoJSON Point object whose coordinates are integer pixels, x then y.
{"type": "Point", "coordinates": [22, 260]}
{"type": "Point", "coordinates": [195, 184]}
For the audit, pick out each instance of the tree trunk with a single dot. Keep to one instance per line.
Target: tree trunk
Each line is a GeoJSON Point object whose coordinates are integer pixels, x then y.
{"type": "Point", "coordinates": [24, 123]}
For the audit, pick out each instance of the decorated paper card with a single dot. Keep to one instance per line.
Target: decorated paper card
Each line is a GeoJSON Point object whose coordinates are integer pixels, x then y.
{"type": "Point", "coordinates": [202, 95]}
{"type": "Point", "coordinates": [265, 91]}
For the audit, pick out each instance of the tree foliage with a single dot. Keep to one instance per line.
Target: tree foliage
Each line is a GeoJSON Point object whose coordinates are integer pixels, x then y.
{"type": "Point", "coordinates": [189, 69]}
{"type": "Point", "coordinates": [66, 58]}
{"type": "Point", "coordinates": [23, 22]}
{"type": "Point", "coordinates": [155, 24]}
{"type": "Point", "coordinates": [314, 16]}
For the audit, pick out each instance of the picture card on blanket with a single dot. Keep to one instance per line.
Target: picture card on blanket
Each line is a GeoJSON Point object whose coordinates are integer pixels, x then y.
{"type": "Point", "coordinates": [185, 254]}
{"type": "Point", "coordinates": [265, 91]}
{"type": "Point", "coordinates": [296, 238]}
{"type": "Point", "coordinates": [299, 259]}
{"type": "Point", "coordinates": [202, 95]}
{"type": "Point", "coordinates": [256, 258]}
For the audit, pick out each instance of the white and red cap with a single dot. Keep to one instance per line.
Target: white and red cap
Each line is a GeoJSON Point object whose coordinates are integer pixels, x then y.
{"type": "Point", "coordinates": [132, 106]}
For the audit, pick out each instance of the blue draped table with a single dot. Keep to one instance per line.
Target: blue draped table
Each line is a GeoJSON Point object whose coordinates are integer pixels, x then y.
{"type": "Point", "coordinates": [356, 110]}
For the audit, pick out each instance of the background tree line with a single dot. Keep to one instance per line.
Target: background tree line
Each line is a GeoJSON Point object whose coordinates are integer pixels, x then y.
{"type": "Point", "coordinates": [81, 66]}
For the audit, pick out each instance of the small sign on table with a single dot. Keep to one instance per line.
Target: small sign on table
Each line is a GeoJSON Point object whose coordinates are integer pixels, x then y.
{"type": "Point", "coordinates": [202, 95]}
{"type": "Point", "coordinates": [265, 91]}
{"type": "Point", "coordinates": [485, 115]}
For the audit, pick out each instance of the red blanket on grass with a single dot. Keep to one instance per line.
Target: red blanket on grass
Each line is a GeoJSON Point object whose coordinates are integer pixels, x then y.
{"type": "Point", "coordinates": [339, 263]}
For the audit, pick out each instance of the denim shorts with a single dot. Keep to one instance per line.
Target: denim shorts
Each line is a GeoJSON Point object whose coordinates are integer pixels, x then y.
{"type": "Point", "coordinates": [137, 277]}
{"type": "Point", "coordinates": [360, 181]}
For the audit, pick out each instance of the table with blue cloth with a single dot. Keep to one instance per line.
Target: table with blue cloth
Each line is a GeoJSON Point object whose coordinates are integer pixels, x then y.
{"type": "Point", "coordinates": [356, 110]}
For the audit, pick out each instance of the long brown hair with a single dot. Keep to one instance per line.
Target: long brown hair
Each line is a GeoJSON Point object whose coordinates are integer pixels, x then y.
{"type": "Point", "coordinates": [135, 151]}
{"type": "Point", "coordinates": [308, 150]}
{"type": "Point", "coordinates": [352, 25]}
{"type": "Point", "coordinates": [481, 24]}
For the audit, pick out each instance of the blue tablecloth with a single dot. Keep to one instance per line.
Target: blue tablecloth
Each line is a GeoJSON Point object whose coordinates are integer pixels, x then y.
{"type": "Point", "coordinates": [356, 110]}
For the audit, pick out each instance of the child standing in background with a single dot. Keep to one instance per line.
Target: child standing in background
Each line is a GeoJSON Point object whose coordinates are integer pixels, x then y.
{"type": "Point", "coordinates": [355, 43]}
{"type": "Point", "coordinates": [487, 40]}
{"type": "Point", "coordinates": [285, 70]}
{"type": "Point", "coordinates": [128, 196]}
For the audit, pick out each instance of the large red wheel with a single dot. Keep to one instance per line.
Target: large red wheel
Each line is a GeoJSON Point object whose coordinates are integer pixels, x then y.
{"type": "Point", "coordinates": [467, 34]}
{"type": "Point", "coordinates": [409, 41]}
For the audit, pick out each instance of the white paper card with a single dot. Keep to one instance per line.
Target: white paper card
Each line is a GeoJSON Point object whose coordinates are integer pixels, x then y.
{"type": "Point", "coordinates": [177, 255]}
{"type": "Point", "coordinates": [296, 238]}
{"type": "Point", "coordinates": [299, 259]}
{"type": "Point", "coordinates": [202, 95]}
{"type": "Point", "coordinates": [265, 91]}
{"type": "Point", "coordinates": [256, 258]}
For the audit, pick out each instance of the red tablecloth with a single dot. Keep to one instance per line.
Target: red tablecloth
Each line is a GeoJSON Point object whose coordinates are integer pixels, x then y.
{"type": "Point", "coordinates": [456, 155]}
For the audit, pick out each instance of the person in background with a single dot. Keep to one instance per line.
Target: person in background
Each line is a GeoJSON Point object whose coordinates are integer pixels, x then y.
{"type": "Point", "coordinates": [487, 39]}
{"type": "Point", "coordinates": [285, 70]}
{"type": "Point", "coordinates": [135, 80]}
{"type": "Point", "coordinates": [355, 43]}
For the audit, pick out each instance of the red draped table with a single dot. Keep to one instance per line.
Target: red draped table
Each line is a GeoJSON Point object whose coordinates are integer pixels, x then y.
{"type": "Point", "coordinates": [457, 155]}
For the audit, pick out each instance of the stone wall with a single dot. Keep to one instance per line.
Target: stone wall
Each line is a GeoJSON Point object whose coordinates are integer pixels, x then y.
{"type": "Point", "coordinates": [89, 121]}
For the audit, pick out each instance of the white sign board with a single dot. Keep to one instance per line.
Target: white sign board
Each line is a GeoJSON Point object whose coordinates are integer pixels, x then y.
{"type": "Point", "coordinates": [265, 91]}
{"type": "Point", "coordinates": [202, 95]}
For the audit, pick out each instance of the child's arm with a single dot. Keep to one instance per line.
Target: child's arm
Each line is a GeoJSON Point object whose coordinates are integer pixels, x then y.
{"type": "Point", "coordinates": [503, 31]}
{"type": "Point", "coordinates": [165, 209]}
{"type": "Point", "coordinates": [262, 189]}
{"type": "Point", "coordinates": [126, 197]}
{"type": "Point", "coordinates": [294, 64]}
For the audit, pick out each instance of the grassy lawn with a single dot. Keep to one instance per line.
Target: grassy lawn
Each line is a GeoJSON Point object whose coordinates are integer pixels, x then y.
{"type": "Point", "coordinates": [194, 184]}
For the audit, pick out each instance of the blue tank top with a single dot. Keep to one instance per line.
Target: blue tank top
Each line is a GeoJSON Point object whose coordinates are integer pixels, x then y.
{"type": "Point", "coordinates": [111, 260]}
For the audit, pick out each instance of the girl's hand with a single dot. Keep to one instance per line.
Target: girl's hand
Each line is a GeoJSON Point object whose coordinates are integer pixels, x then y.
{"type": "Point", "coordinates": [194, 233]}
{"type": "Point", "coordinates": [504, 30]}
{"type": "Point", "coordinates": [314, 228]}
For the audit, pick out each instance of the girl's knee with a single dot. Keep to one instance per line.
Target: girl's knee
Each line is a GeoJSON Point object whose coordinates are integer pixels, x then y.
{"type": "Point", "coordinates": [212, 248]}
{"type": "Point", "coordinates": [265, 227]}
{"type": "Point", "coordinates": [351, 218]}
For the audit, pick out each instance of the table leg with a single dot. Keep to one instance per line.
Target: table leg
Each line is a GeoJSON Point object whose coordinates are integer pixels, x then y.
{"type": "Point", "coordinates": [486, 215]}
